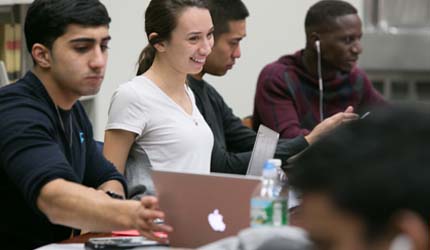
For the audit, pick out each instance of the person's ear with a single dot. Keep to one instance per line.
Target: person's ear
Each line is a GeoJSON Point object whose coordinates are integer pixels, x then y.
{"type": "Point", "coordinates": [159, 46]}
{"type": "Point", "coordinates": [412, 232]}
{"type": "Point", "coordinates": [314, 37]}
{"type": "Point", "coordinates": [41, 55]}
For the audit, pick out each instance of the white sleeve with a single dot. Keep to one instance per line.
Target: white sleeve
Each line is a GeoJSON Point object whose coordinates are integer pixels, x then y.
{"type": "Point", "coordinates": [126, 111]}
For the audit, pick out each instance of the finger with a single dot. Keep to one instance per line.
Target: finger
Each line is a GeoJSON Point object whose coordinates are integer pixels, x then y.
{"type": "Point", "coordinates": [149, 202]}
{"type": "Point", "coordinates": [150, 224]}
{"type": "Point", "coordinates": [153, 214]}
{"type": "Point", "coordinates": [162, 228]}
{"type": "Point", "coordinates": [350, 116]}
{"type": "Point", "coordinates": [336, 118]}
{"type": "Point", "coordinates": [349, 109]}
{"type": "Point", "coordinates": [348, 120]}
{"type": "Point", "coordinates": [340, 116]}
{"type": "Point", "coordinates": [150, 215]}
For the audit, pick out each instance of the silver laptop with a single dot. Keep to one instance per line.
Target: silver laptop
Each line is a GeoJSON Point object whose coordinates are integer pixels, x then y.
{"type": "Point", "coordinates": [203, 208]}
{"type": "Point", "coordinates": [264, 149]}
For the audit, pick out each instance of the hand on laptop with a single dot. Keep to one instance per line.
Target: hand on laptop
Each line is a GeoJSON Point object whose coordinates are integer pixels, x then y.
{"type": "Point", "coordinates": [330, 123]}
{"type": "Point", "coordinates": [146, 213]}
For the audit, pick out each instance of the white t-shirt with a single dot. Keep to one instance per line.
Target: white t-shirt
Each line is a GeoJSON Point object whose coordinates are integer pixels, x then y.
{"type": "Point", "coordinates": [172, 139]}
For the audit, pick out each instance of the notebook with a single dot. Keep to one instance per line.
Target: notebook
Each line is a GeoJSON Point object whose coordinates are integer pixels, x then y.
{"type": "Point", "coordinates": [264, 149]}
{"type": "Point", "coordinates": [203, 208]}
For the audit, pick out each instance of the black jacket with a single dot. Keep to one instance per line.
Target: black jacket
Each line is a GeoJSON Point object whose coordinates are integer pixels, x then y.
{"type": "Point", "coordinates": [34, 150]}
{"type": "Point", "coordinates": [233, 142]}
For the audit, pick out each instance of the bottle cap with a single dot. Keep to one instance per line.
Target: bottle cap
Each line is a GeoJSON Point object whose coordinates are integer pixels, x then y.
{"type": "Point", "coordinates": [276, 162]}
{"type": "Point", "coordinates": [269, 169]}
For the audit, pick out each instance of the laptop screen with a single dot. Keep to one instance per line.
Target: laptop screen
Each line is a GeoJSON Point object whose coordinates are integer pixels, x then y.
{"type": "Point", "coordinates": [264, 149]}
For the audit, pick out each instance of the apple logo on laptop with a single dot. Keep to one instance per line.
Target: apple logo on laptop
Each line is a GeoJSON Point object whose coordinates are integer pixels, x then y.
{"type": "Point", "coordinates": [215, 221]}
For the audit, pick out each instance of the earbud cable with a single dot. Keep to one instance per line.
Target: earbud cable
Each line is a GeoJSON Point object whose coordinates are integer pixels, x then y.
{"type": "Point", "coordinates": [320, 80]}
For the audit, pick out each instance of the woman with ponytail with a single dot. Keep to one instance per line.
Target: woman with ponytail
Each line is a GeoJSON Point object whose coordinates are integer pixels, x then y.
{"type": "Point", "coordinates": [154, 114]}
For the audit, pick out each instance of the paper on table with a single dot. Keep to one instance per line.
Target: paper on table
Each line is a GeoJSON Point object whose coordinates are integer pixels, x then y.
{"type": "Point", "coordinates": [73, 246]}
{"type": "Point", "coordinates": [126, 233]}
{"type": "Point", "coordinates": [136, 233]}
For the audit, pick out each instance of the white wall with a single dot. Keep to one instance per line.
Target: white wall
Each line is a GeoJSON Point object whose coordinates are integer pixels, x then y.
{"type": "Point", "coordinates": [128, 38]}
{"type": "Point", "coordinates": [275, 27]}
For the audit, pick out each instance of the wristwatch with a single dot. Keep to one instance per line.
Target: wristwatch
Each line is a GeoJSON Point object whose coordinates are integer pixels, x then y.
{"type": "Point", "coordinates": [115, 195]}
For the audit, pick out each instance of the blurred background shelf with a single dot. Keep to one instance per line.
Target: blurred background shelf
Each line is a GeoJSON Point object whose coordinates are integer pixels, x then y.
{"type": "Point", "coordinates": [11, 2]}
{"type": "Point", "coordinates": [396, 52]}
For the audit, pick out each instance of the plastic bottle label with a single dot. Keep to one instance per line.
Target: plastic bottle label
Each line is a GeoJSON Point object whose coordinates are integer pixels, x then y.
{"type": "Point", "coordinates": [268, 212]}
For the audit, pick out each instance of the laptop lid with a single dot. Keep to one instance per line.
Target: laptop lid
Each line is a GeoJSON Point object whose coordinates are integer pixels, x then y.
{"type": "Point", "coordinates": [203, 208]}
{"type": "Point", "coordinates": [264, 149]}
{"type": "Point", "coordinates": [4, 79]}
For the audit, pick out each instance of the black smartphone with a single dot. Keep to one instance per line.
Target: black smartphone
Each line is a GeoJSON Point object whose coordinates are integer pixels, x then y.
{"type": "Point", "coordinates": [117, 243]}
{"type": "Point", "coordinates": [365, 115]}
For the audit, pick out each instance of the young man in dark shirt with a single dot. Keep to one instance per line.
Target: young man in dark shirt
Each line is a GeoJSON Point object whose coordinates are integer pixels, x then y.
{"type": "Point", "coordinates": [52, 177]}
{"type": "Point", "coordinates": [297, 92]}
{"type": "Point", "coordinates": [233, 142]}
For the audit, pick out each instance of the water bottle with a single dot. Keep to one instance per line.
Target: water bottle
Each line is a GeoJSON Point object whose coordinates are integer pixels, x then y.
{"type": "Point", "coordinates": [269, 201]}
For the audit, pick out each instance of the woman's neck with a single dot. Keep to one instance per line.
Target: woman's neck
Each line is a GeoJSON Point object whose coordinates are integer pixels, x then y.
{"type": "Point", "coordinates": [166, 78]}
{"type": "Point", "coordinates": [171, 82]}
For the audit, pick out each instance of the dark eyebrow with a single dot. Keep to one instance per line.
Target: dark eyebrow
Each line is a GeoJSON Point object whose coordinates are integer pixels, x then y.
{"type": "Point", "coordinates": [88, 40]}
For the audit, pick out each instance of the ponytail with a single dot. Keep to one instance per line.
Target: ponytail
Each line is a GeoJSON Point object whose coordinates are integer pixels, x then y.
{"type": "Point", "coordinates": [146, 58]}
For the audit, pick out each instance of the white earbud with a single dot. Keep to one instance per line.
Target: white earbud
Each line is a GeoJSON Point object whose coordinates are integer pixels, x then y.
{"type": "Point", "coordinates": [317, 45]}
{"type": "Point", "coordinates": [402, 242]}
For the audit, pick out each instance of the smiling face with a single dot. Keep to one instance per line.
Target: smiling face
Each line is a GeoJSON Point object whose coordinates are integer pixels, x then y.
{"type": "Point", "coordinates": [77, 60]}
{"type": "Point", "coordinates": [226, 49]}
{"type": "Point", "coordinates": [340, 44]}
{"type": "Point", "coordinates": [190, 42]}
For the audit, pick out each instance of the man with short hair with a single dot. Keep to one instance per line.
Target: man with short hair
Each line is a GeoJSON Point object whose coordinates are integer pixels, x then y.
{"type": "Point", "coordinates": [53, 178]}
{"type": "Point", "coordinates": [366, 185]}
{"type": "Point", "coordinates": [233, 142]}
{"type": "Point", "coordinates": [296, 92]}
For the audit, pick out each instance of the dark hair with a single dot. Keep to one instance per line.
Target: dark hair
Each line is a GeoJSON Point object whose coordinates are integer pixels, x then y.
{"type": "Point", "coordinates": [47, 20]}
{"type": "Point", "coordinates": [161, 18]}
{"type": "Point", "coordinates": [224, 11]}
{"type": "Point", "coordinates": [373, 168]}
{"type": "Point", "coordinates": [325, 12]}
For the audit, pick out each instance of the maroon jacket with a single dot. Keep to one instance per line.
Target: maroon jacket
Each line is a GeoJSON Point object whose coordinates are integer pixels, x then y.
{"type": "Point", "coordinates": [287, 96]}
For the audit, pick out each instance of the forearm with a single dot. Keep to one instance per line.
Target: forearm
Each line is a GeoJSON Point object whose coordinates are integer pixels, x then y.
{"type": "Point", "coordinates": [239, 138]}
{"type": "Point", "coordinates": [287, 148]}
{"type": "Point", "coordinates": [226, 162]}
{"type": "Point", "coordinates": [77, 206]}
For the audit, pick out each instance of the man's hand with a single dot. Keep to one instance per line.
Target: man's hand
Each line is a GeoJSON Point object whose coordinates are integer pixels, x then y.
{"type": "Point", "coordinates": [145, 214]}
{"type": "Point", "coordinates": [330, 123]}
